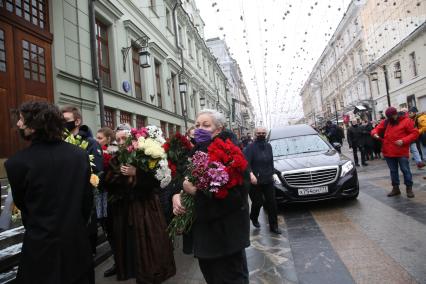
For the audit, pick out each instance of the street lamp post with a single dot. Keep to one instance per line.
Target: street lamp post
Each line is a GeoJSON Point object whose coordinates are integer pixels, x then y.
{"type": "Point", "coordinates": [385, 72]}
{"type": "Point", "coordinates": [182, 90]}
{"type": "Point", "coordinates": [335, 109]}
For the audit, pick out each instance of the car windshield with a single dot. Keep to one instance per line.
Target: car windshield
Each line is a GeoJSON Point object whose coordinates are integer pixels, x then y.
{"type": "Point", "coordinates": [298, 145]}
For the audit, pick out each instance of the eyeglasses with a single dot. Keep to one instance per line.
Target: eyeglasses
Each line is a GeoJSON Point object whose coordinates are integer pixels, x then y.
{"type": "Point", "coordinates": [261, 133]}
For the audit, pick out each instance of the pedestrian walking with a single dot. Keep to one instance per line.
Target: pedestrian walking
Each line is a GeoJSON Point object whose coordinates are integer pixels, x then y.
{"type": "Point", "coordinates": [397, 133]}
{"type": "Point", "coordinates": [74, 124]}
{"type": "Point", "coordinates": [414, 150]}
{"type": "Point", "coordinates": [222, 226]}
{"type": "Point", "coordinates": [262, 193]}
{"type": "Point", "coordinates": [332, 134]}
{"type": "Point", "coordinates": [50, 183]}
{"type": "Point", "coordinates": [377, 144]}
{"type": "Point", "coordinates": [355, 142]}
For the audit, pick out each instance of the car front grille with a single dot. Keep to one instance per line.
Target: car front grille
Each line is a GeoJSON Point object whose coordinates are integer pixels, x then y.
{"type": "Point", "coordinates": [311, 177]}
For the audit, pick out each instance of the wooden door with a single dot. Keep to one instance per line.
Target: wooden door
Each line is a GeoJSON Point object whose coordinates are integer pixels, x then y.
{"type": "Point", "coordinates": [8, 100]}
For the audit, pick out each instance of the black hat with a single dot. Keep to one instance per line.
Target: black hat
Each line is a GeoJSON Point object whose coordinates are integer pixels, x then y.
{"type": "Point", "coordinates": [414, 109]}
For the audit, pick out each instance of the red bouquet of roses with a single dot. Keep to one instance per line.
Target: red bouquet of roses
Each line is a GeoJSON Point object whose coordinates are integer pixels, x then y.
{"type": "Point", "coordinates": [214, 173]}
{"type": "Point", "coordinates": [230, 155]}
{"type": "Point", "coordinates": [177, 149]}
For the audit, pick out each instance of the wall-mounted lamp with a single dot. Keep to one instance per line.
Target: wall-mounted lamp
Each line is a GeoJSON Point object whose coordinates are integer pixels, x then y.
{"type": "Point", "coordinates": [144, 55]}
{"type": "Point", "coordinates": [202, 101]}
{"type": "Point", "coordinates": [183, 87]}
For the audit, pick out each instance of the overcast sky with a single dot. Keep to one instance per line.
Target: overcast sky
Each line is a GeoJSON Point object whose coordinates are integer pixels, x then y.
{"type": "Point", "coordinates": [276, 43]}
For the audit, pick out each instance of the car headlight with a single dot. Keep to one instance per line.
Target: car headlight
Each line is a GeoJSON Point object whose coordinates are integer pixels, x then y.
{"type": "Point", "coordinates": [346, 168]}
{"type": "Point", "coordinates": [276, 179]}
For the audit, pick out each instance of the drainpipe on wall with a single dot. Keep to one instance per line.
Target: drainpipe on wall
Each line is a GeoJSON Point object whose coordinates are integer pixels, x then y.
{"type": "Point", "coordinates": [182, 60]}
{"type": "Point", "coordinates": [94, 61]}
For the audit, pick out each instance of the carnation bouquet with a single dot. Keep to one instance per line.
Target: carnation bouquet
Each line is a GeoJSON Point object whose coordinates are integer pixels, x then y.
{"type": "Point", "coordinates": [213, 173]}
{"type": "Point", "coordinates": [144, 150]}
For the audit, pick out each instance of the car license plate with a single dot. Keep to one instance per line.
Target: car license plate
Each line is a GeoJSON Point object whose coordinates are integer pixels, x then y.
{"type": "Point", "coordinates": [312, 190]}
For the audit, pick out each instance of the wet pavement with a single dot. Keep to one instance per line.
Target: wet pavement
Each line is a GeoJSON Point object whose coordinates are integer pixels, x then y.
{"type": "Point", "coordinates": [375, 239]}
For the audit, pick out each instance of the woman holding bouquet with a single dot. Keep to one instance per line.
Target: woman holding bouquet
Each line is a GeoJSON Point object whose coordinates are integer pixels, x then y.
{"type": "Point", "coordinates": [221, 226]}
{"type": "Point", "coordinates": [142, 247]}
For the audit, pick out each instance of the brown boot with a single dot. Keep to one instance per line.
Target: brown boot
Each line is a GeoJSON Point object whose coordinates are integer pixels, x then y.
{"type": "Point", "coordinates": [410, 193]}
{"type": "Point", "coordinates": [395, 191]}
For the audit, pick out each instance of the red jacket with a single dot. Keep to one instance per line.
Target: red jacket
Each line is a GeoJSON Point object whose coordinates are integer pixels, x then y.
{"type": "Point", "coordinates": [404, 131]}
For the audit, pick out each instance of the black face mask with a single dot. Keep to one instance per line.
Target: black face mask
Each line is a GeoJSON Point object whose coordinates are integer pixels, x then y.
{"type": "Point", "coordinates": [70, 125]}
{"type": "Point", "coordinates": [261, 138]}
{"type": "Point", "coordinates": [23, 136]}
{"type": "Point", "coordinates": [192, 140]}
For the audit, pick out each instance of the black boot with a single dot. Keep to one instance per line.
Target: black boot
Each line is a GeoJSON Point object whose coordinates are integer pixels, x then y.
{"type": "Point", "coordinates": [275, 230]}
{"type": "Point", "coordinates": [110, 272]}
{"type": "Point", "coordinates": [255, 223]}
{"type": "Point", "coordinates": [395, 191]}
{"type": "Point", "coordinates": [410, 193]}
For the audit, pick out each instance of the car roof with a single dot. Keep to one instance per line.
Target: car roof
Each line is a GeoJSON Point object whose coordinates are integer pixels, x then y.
{"type": "Point", "coordinates": [291, 131]}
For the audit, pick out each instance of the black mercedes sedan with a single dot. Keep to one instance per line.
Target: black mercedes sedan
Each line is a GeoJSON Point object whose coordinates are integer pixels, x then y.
{"type": "Point", "coordinates": [308, 168]}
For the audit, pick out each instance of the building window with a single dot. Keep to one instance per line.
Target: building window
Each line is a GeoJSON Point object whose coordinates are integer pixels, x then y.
{"type": "Point", "coordinates": [33, 11]}
{"type": "Point", "coordinates": [190, 48]}
{"type": "Point", "coordinates": [413, 63]}
{"type": "Point", "coordinates": [137, 73]}
{"type": "Point", "coordinates": [178, 130]}
{"type": "Point", "coordinates": [140, 121]}
{"type": "Point", "coordinates": [103, 53]}
{"type": "Point", "coordinates": [163, 126]}
{"type": "Point", "coordinates": [125, 117]}
{"type": "Point", "coordinates": [397, 71]}
{"type": "Point", "coordinates": [173, 76]}
{"type": "Point", "coordinates": [168, 19]}
{"type": "Point", "coordinates": [34, 63]}
{"type": "Point", "coordinates": [171, 130]}
{"type": "Point", "coordinates": [411, 101]}
{"type": "Point", "coordinates": [2, 52]}
{"type": "Point", "coordinates": [109, 117]}
{"type": "Point", "coordinates": [158, 83]}
{"type": "Point", "coordinates": [180, 36]}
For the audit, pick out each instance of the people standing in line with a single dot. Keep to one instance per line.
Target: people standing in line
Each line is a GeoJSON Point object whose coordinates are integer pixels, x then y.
{"type": "Point", "coordinates": [142, 248]}
{"type": "Point", "coordinates": [50, 183]}
{"type": "Point", "coordinates": [221, 228]}
{"type": "Point", "coordinates": [397, 133]}
{"type": "Point", "coordinates": [262, 193]}
{"type": "Point", "coordinates": [377, 144]}
{"type": "Point", "coordinates": [366, 140]}
{"type": "Point", "coordinates": [413, 146]}
{"type": "Point", "coordinates": [105, 137]}
{"type": "Point", "coordinates": [355, 142]}
{"type": "Point", "coordinates": [74, 124]}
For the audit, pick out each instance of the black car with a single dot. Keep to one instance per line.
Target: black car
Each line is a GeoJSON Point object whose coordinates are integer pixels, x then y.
{"type": "Point", "coordinates": [308, 168]}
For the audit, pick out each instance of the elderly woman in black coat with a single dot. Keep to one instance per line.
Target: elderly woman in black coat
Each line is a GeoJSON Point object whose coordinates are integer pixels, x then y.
{"type": "Point", "coordinates": [221, 228]}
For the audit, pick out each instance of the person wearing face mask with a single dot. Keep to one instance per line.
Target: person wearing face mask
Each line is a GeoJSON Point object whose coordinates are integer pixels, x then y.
{"type": "Point", "coordinates": [222, 226]}
{"type": "Point", "coordinates": [397, 133]}
{"type": "Point", "coordinates": [261, 163]}
{"type": "Point", "coordinates": [50, 185]}
{"type": "Point", "coordinates": [73, 123]}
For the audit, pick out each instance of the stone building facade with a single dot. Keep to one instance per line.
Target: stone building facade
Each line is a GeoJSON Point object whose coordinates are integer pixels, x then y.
{"type": "Point", "coordinates": [339, 86]}
{"type": "Point", "coordinates": [242, 116]}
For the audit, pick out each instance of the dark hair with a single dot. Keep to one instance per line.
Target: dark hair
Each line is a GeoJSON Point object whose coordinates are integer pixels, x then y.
{"type": "Point", "coordinates": [75, 111]}
{"type": "Point", "coordinates": [45, 118]}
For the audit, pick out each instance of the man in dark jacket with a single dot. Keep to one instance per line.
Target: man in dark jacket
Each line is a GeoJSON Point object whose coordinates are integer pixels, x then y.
{"type": "Point", "coordinates": [50, 185]}
{"type": "Point", "coordinates": [261, 163]}
{"type": "Point", "coordinates": [75, 126]}
{"type": "Point", "coordinates": [354, 140]}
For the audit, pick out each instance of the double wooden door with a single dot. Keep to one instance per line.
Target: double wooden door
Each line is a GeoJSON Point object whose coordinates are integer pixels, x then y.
{"type": "Point", "coordinates": [25, 74]}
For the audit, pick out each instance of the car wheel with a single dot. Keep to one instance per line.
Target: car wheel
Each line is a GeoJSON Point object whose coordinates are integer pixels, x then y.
{"type": "Point", "coordinates": [354, 197]}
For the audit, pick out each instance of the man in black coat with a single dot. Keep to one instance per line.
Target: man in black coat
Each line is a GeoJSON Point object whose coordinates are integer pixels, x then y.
{"type": "Point", "coordinates": [50, 185]}
{"type": "Point", "coordinates": [74, 124]}
{"type": "Point", "coordinates": [261, 163]}
{"type": "Point", "coordinates": [355, 141]}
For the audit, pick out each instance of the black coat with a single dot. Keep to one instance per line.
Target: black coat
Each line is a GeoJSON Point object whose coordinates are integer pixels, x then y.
{"type": "Point", "coordinates": [222, 226]}
{"type": "Point", "coordinates": [367, 141]}
{"type": "Point", "coordinates": [50, 185]}
{"type": "Point", "coordinates": [261, 161]}
{"type": "Point", "coordinates": [355, 136]}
